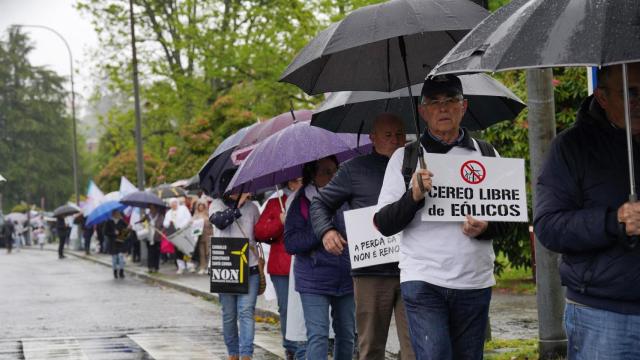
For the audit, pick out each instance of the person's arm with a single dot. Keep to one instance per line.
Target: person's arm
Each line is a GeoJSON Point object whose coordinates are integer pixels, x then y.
{"type": "Point", "coordinates": [561, 222]}
{"type": "Point", "coordinates": [222, 216]}
{"type": "Point", "coordinates": [396, 206]}
{"type": "Point", "coordinates": [298, 235]}
{"type": "Point", "coordinates": [269, 227]}
{"type": "Point", "coordinates": [323, 208]}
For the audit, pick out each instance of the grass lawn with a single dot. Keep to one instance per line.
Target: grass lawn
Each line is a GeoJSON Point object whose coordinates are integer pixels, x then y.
{"type": "Point", "coordinates": [520, 349]}
{"type": "Point", "coordinates": [514, 280]}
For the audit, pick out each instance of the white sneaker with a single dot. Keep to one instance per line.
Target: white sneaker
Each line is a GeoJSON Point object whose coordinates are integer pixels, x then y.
{"type": "Point", "coordinates": [180, 272]}
{"type": "Point", "coordinates": [202, 272]}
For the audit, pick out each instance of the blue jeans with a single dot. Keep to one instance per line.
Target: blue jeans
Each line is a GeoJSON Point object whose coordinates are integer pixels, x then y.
{"type": "Point", "coordinates": [240, 308]}
{"type": "Point", "coordinates": [281, 285]}
{"type": "Point", "coordinates": [601, 334]}
{"type": "Point", "coordinates": [117, 261]}
{"type": "Point", "coordinates": [446, 324]}
{"type": "Point", "coordinates": [316, 318]}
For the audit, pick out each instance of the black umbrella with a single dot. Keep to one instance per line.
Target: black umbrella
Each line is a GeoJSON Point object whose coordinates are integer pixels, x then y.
{"type": "Point", "coordinates": [383, 47]}
{"type": "Point", "coordinates": [354, 111]}
{"type": "Point", "coordinates": [142, 199]}
{"type": "Point", "coordinates": [548, 33]}
{"type": "Point", "coordinates": [220, 161]}
{"type": "Point", "coordinates": [65, 210]}
{"type": "Point", "coordinates": [166, 191]}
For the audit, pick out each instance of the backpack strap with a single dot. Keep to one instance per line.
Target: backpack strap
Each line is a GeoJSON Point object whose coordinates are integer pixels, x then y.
{"type": "Point", "coordinates": [486, 149]}
{"type": "Point", "coordinates": [410, 161]}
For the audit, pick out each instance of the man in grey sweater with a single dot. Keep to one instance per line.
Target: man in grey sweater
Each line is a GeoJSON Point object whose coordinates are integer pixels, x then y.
{"type": "Point", "coordinates": [377, 288]}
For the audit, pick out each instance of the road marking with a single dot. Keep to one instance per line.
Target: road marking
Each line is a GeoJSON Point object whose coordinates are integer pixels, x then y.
{"type": "Point", "coordinates": [67, 348]}
{"type": "Point", "coordinates": [171, 346]}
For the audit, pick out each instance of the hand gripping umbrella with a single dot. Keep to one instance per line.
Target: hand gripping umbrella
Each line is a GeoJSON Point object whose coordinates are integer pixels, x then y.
{"type": "Point", "coordinates": [281, 157]}
{"type": "Point", "coordinates": [383, 47]}
{"type": "Point", "coordinates": [354, 111]}
{"type": "Point", "coordinates": [551, 33]}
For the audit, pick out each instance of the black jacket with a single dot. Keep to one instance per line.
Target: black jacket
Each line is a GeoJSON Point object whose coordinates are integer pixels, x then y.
{"type": "Point", "coordinates": [583, 182]}
{"type": "Point", "coordinates": [114, 231]}
{"type": "Point", "coordinates": [358, 183]}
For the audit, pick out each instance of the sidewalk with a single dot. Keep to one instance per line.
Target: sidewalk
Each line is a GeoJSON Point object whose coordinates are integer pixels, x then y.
{"type": "Point", "coordinates": [511, 316]}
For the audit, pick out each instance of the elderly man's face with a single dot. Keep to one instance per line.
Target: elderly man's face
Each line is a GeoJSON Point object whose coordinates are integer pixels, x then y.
{"type": "Point", "coordinates": [611, 98]}
{"type": "Point", "coordinates": [387, 135]}
{"type": "Point", "coordinates": [443, 113]}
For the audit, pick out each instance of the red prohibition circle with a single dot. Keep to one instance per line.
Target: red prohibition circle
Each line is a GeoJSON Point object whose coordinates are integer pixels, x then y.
{"type": "Point", "coordinates": [473, 172]}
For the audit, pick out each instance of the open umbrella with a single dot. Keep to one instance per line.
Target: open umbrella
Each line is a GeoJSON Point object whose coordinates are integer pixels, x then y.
{"type": "Point", "coordinates": [103, 212]}
{"type": "Point", "coordinates": [166, 191]}
{"type": "Point", "coordinates": [383, 47]}
{"type": "Point", "coordinates": [281, 156]}
{"type": "Point", "coordinates": [265, 129]}
{"type": "Point", "coordinates": [220, 161]}
{"type": "Point", "coordinates": [16, 217]}
{"type": "Point", "coordinates": [354, 111]}
{"type": "Point", "coordinates": [549, 33]}
{"type": "Point", "coordinates": [142, 199]}
{"type": "Point", "coordinates": [66, 210]}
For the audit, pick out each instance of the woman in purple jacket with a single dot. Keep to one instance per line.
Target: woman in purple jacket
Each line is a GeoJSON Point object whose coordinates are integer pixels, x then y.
{"type": "Point", "coordinates": [322, 279]}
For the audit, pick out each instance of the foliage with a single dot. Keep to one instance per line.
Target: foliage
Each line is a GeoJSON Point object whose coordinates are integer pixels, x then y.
{"type": "Point", "coordinates": [517, 349]}
{"type": "Point", "coordinates": [20, 208]}
{"type": "Point", "coordinates": [35, 131]}
{"type": "Point", "coordinates": [124, 165]}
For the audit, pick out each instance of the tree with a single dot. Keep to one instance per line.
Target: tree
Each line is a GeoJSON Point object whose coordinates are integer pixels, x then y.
{"type": "Point", "coordinates": [35, 131]}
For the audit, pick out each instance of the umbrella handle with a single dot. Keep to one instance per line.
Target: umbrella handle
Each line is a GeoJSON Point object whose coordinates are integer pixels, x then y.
{"type": "Point", "coordinates": [633, 195]}
{"type": "Point", "coordinates": [414, 105]}
{"type": "Point", "coordinates": [280, 199]}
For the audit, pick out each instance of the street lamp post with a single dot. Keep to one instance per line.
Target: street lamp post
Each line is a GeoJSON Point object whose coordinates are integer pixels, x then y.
{"type": "Point", "coordinates": [73, 107]}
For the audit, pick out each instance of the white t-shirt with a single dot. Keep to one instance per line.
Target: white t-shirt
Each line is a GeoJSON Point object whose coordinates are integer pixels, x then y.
{"type": "Point", "coordinates": [247, 221]}
{"type": "Point", "coordinates": [437, 252]}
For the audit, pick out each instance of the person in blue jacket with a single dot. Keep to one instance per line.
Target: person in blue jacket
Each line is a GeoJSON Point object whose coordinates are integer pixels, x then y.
{"type": "Point", "coordinates": [322, 279]}
{"type": "Point", "coordinates": [582, 210]}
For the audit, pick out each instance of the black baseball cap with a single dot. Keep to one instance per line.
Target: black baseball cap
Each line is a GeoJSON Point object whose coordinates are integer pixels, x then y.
{"type": "Point", "coordinates": [448, 84]}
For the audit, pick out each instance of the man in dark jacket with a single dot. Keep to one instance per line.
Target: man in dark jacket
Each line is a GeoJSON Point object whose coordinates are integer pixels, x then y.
{"type": "Point", "coordinates": [63, 233]}
{"type": "Point", "coordinates": [582, 211]}
{"type": "Point", "coordinates": [376, 288]}
{"type": "Point", "coordinates": [7, 231]}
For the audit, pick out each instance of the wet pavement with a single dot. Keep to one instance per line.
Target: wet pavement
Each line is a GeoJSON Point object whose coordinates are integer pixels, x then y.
{"type": "Point", "coordinates": [75, 309]}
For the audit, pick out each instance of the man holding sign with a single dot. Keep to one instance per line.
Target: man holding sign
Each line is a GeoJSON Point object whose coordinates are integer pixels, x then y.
{"type": "Point", "coordinates": [376, 288]}
{"type": "Point", "coordinates": [446, 268]}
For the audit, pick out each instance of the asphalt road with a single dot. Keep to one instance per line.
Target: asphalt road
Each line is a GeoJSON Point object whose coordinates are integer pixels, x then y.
{"type": "Point", "coordinates": [74, 309]}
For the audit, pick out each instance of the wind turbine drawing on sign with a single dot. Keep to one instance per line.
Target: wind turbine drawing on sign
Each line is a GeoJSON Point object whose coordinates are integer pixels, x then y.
{"type": "Point", "coordinates": [243, 260]}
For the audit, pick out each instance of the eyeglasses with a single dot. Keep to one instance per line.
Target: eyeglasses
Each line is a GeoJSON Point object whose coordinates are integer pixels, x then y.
{"type": "Point", "coordinates": [448, 101]}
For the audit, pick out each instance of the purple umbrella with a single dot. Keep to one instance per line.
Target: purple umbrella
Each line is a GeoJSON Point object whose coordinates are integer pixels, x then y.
{"type": "Point", "coordinates": [281, 157]}
{"type": "Point", "coordinates": [265, 129]}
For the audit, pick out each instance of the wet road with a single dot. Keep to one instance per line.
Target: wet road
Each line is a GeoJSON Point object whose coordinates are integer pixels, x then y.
{"type": "Point", "coordinates": [74, 309]}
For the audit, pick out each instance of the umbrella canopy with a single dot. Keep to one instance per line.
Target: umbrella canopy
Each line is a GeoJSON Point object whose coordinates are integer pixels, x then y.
{"type": "Point", "coordinates": [354, 111]}
{"type": "Point", "coordinates": [2, 178]}
{"type": "Point", "coordinates": [142, 199]}
{"type": "Point", "coordinates": [282, 156]}
{"type": "Point", "coordinates": [16, 217]}
{"type": "Point", "coordinates": [66, 210]}
{"type": "Point", "coordinates": [550, 33]}
{"type": "Point", "coordinates": [362, 51]}
{"type": "Point", "coordinates": [103, 212]}
{"type": "Point", "coordinates": [220, 161]}
{"type": "Point", "coordinates": [166, 191]}
{"type": "Point", "coordinates": [265, 129]}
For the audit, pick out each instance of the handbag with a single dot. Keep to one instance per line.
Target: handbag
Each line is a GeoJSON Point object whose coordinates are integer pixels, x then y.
{"type": "Point", "coordinates": [259, 253]}
{"type": "Point", "coordinates": [166, 247]}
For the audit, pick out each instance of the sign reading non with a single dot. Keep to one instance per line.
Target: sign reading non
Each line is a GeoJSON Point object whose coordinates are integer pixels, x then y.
{"type": "Point", "coordinates": [487, 188]}
{"type": "Point", "coordinates": [229, 265]}
{"type": "Point", "coordinates": [367, 246]}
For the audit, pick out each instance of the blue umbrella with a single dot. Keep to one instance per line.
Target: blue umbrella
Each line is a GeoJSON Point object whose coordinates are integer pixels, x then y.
{"type": "Point", "coordinates": [281, 156]}
{"type": "Point", "coordinates": [142, 199]}
{"type": "Point", "coordinates": [103, 212]}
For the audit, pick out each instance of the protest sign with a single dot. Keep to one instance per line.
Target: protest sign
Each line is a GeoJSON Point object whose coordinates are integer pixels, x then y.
{"type": "Point", "coordinates": [229, 265]}
{"type": "Point", "coordinates": [487, 188]}
{"type": "Point", "coordinates": [367, 246]}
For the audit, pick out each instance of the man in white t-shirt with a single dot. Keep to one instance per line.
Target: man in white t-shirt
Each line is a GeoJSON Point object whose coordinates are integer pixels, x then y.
{"type": "Point", "coordinates": [446, 268]}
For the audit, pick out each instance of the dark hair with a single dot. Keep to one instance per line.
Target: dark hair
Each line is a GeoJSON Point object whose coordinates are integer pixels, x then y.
{"type": "Point", "coordinates": [310, 169]}
{"type": "Point", "coordinates": [603, 76]}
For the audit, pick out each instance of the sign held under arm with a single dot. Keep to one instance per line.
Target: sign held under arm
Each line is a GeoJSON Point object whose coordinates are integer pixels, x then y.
{"type": "Point", "coordinates": [367, 246]}
{"type": "Point", "coordinates": [487, 188]}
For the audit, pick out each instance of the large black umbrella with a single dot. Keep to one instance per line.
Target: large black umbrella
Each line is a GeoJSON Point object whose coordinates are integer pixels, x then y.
{"type": "Point", "coordinates": [362, 51]}
{"type": "Point", "coordinates": [548, 33]}
{"type": "Point", "coordinates": [142, 199]}
{"type": "Point", "coordinates": [354, 111]}
{"type": "Point", "coordinates": [220, 161]}
{"type": "Point", "coordinates": [65, 210]}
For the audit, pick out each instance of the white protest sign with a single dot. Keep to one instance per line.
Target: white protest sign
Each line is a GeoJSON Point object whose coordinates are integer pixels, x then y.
{"type": "Point", "coordinates": [487, 188]}
{"type": "Point", "coordinates": [367, 246]}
